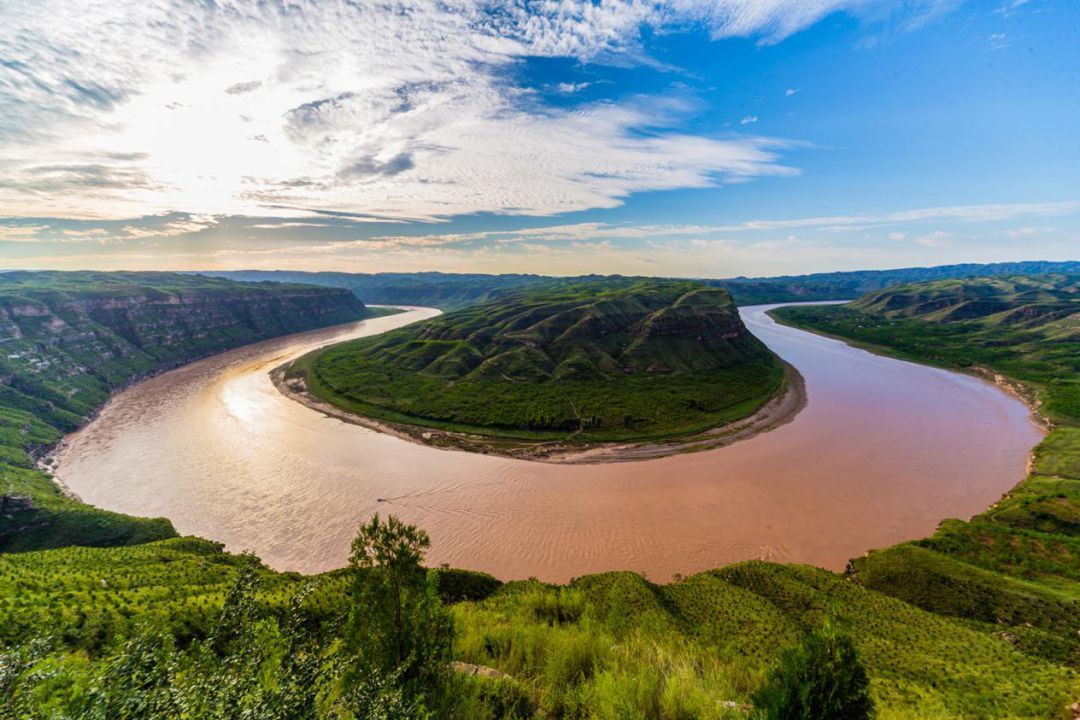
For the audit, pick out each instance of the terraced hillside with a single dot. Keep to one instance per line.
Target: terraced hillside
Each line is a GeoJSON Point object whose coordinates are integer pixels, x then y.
{"type": "Point", "coordinates": [608, 359]}
{"type": "Point", "coordinates": [69, 339]}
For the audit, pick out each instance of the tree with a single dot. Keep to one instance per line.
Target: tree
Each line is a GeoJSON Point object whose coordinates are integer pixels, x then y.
{"type": "Point", "coordinates": [397, 624]}
{"type": "Point", "coordinates": [821, 679]}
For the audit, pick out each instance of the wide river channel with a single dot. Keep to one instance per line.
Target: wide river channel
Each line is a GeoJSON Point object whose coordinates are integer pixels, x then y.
{"type": "Point", "coordinates": [882, 452]}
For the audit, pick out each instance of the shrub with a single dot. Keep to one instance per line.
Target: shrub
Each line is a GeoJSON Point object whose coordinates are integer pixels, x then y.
{"type": "Point", "coordinates": [821, 679]}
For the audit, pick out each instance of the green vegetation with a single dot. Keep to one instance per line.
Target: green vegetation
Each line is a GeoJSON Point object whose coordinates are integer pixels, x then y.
{"type": "Point", "coordinates": [67, 340]}
{"type": "Point", "coordinates": [1015, 567]}
{"type": "Point", "coordinates": [613, 359]}
{"type": "Point", "coordinates": [1025, 328]}
{"type": "Point", "coordinates": [397, 625]}
{"type": "Point", "coordinates": [450, 291]}
{"type": "Point", "coordinates": [978, 621]}
{"type": "Point", "coordinates": [821, 678]}
{"type": "Point", "coordinates": [603, 646]}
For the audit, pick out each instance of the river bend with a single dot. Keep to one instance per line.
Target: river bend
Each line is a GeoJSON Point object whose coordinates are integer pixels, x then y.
{"type": "Point", "coordinates": [882, 452]}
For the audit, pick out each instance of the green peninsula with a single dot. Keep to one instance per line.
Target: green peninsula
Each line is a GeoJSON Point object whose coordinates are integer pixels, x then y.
{"type": "Point", "coordinates": [610, 360]}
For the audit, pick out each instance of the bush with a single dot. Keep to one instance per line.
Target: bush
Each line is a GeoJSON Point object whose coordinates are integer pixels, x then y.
{"type": "Point", "coordinates": [822, 679]}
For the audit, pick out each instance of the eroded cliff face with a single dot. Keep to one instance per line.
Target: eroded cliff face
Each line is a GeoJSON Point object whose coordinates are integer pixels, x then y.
{"type": "Point", "coordinates": [79, 345]}
{"type": "Point", "coordinates": [69, 339]}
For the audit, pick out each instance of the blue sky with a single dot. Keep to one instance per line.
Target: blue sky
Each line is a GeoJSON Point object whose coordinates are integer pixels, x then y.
{"type": "Point", "coordinates": [702, 138]}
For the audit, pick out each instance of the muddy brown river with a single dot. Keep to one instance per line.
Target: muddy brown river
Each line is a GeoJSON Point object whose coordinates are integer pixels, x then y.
{"type": "Point", "coordinates": [882, 452]}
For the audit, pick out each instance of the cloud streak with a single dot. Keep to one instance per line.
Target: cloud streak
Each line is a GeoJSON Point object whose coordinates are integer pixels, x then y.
{"type": "Point", "coordinates": [406, 111]}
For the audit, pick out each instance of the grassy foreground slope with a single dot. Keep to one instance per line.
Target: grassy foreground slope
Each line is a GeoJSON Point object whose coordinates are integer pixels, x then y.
{"type": "Point", "coordinates": [612, 359]}
{"type": "Point", "coordinates": [1017, 565]}
{"type": "Point", "coordinates": [603, 646]}
{"type": "Point", "coordinates": [68, 339]}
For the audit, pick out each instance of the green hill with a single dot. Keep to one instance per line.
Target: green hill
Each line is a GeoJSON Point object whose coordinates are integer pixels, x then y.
{"type": "Point", "coordinates": [69, 339]}
{"type": "Point", "coordinates": [611, 359]}
{"type": "Point", "coordinates": [1017, 565]}
{"type": "Point", "coordinates": [1025, 327]}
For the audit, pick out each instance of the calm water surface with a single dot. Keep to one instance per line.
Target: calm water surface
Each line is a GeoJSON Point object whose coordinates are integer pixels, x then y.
{"type": "Point", "coordinates": [883, 451]}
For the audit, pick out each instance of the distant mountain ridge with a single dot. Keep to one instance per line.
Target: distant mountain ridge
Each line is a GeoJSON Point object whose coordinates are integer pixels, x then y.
{"type": "Point", "coordinates": [450, 290]}
{"type": "Point", "coordinates": [848, 285]}
{"type": "Point", "coordinates": [1019, 301]}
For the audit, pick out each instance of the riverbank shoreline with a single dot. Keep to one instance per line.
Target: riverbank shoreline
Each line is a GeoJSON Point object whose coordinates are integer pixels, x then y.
{"type": "Point", "coordinates": [780, 409]}
{"type": "Point", "coordinates": [1022, 392]}
{"type": "Point", "coordinates": [47, 458]}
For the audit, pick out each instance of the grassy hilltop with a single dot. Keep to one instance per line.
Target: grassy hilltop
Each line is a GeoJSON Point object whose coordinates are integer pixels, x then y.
{"type": "Point", "coordinates": [611, 359]}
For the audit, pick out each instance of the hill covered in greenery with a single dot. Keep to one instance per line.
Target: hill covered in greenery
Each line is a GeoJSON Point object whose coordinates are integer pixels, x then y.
{"type": "Point", "coordinates": [611, 359]}
{"type": "Point", "coordinates": [454, 290]}
{"type": "Point", "coordinates": [1024, 327]}
{"type": "Point", "coordinates": [77, 622]}
{"type": "Point", "coordinates": [68, 339]}
{"type": "Point", "coordinates": [1018, 564]}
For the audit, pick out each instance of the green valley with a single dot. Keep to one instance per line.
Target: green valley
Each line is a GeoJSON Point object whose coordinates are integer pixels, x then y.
{"type": "Point", "coordinates": [618, 359]}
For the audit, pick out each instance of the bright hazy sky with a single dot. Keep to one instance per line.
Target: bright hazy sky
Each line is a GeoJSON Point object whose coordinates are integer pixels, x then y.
{"type": "Point", "coordinates": [691, 137]}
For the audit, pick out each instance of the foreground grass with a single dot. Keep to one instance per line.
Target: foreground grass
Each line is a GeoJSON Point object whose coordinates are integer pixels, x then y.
{"type": "Point", "coordinates": [604, 646]}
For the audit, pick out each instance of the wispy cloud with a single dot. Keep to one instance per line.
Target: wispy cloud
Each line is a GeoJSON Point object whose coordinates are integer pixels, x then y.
{"type": "Point", "coordinates": [748, 234]}
{"type": "Point", "coordinates": [410, 111]}
{"type": "Point", "coordinates": [935, 239]}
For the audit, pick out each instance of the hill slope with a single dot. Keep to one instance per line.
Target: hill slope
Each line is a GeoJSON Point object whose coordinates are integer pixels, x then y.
{"type": "Point", "coordinates": [69, 339]}
{"type": "Point", "coordinates": [1026, 327]}
{"type": "Point", "coordinates": [608, 359]}
{"type": "Point", "coordinates": [1018, 564]}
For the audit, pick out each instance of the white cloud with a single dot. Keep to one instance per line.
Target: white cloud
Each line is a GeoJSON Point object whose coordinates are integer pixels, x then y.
{"type": "Point", "coordinates": [173, 228]}
{"type": "Point", "coordinates": [660, 235]}
{"type": "Point", "coordinates": [935, 239]}
{"type": "Point", "coordinates": [407, 111]}
{"type": "Point", "coordinates": [1028, 232]}
{"type": "Point", "coordinates": [748, 120]}
{"type": "Point", "coordinates": [791, 91]}
{"type": "Point", "coordinates": [570, 88]}
{"type": "Point", "coordinates": [21, 233]}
